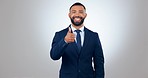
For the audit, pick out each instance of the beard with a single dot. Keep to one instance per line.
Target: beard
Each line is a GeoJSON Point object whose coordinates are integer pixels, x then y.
{"type": "Point", "coordinates": [77, 23]}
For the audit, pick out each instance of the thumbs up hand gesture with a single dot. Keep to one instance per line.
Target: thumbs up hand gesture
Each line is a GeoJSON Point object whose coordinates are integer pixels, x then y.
{"type": "Point", "coordinates": [70, 37]}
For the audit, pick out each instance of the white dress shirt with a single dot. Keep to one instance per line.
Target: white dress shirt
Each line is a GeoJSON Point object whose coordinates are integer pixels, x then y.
{"type": "Point", "coordinates": [81, 34]}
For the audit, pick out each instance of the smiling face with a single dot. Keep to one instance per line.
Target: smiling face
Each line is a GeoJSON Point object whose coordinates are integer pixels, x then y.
{"type": "Point", "coordinates": [77, 15]}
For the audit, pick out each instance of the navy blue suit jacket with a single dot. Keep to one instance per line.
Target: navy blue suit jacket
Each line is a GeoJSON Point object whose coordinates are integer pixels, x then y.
{"type": "Point", "coordinates": [79, 64]}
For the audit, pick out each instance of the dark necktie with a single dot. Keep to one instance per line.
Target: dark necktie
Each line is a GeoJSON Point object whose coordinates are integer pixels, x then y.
{"type": "Point", "coordinates": [78, 39]}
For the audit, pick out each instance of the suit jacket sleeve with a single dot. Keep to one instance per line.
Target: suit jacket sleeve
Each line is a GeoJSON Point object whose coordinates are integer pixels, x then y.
{"type": "Point", "coordinates": [58, 46]}
{"type": "Point", "coordinates": [98, 59]}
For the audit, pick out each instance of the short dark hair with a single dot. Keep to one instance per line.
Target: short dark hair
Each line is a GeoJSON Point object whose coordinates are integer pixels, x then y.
{"type": "Point", "coordinates": [77, 3]}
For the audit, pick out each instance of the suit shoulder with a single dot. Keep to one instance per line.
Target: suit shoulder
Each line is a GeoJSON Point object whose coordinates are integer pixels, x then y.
{"type": "Point", "coordinates": [62, 31]}
{"type": "Point", "coordinates": [90, 31]}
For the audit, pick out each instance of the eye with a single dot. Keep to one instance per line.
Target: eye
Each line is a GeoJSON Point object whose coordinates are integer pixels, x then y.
{"type": "Point", "coordinates": [73, 11]}
{"type": "Point", "coordinates": [81, 11]}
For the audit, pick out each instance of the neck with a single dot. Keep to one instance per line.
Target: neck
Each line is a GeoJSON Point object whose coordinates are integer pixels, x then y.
{"type": "Point", "coordinates": [77, 27]}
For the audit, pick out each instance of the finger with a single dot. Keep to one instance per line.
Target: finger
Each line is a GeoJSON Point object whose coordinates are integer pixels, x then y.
{"type": "Point", "coordinates": [69, 30]}
{"type": "Point", "coordinates": [73, 37]}
{"type": "Point", "coordinates": [71, 40]}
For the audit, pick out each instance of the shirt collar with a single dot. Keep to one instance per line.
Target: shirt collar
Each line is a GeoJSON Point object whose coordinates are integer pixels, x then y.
{"type": "Point", "coordinates": [73, 29]}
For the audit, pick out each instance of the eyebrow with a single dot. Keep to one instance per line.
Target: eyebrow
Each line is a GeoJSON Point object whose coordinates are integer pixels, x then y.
{"type": "Point", "coordinates": [75, 10]}
{"type": "Point", "coordinates": [78, 10]}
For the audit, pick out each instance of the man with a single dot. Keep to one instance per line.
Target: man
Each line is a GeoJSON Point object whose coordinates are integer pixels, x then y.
{"type": "Point", "coordinates": [78, 47]}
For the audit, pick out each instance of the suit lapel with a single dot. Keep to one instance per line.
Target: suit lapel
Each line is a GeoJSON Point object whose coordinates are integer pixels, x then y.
{"type": "Point", "coordinates": [73, 43]}
{"type": "Point", "coordinates": [75, 46]}
{"type": "Point", "coordinates": [86, 39]}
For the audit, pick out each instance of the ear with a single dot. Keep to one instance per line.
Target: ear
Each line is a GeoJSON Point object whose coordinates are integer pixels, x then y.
{"type": "Point", "coordinates": [69, 14]}
{"type": "Point", "coordinates": [85, 15]}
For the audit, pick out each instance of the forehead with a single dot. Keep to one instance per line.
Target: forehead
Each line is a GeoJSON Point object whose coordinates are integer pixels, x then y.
{"type": "Point", "coordinates": [77, 7]}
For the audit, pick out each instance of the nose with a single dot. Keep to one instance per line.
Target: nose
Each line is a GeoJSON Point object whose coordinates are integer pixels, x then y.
{"type": "Point", "coordinates": [77, 14]}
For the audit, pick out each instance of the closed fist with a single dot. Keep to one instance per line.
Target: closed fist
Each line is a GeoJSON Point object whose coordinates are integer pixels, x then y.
{"type": "Point", "coordinates": [70, 37]}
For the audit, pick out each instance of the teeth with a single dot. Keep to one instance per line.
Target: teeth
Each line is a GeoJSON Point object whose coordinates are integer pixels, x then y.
{"type": "Point", "coordinates": [77, 19]}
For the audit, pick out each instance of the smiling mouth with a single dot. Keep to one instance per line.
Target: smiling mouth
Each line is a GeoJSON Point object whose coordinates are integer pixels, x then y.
{"type": "Point", "coordinates": [77, 19]}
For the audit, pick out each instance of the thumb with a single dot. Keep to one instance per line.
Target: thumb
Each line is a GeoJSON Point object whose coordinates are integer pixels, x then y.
{"type": "Point", "coordinates": [69, 30]}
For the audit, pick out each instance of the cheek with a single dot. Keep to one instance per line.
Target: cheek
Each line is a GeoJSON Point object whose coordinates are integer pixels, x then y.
{"type": "Point", "coordinates": [83, 15]}
{"type": "Point", "coordinates": [70, 16]}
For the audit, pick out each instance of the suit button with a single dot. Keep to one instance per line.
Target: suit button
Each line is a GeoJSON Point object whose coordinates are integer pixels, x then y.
{"type": "Point", "coordinates": [79, 71]}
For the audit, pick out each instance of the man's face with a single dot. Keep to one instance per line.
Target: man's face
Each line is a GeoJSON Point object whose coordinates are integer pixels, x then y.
{"type": "Point", "coordinates": [77, 15]}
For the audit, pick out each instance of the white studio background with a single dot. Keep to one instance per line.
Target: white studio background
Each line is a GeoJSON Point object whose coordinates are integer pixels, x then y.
{"type": "Point", "coordinates": [27, 28]}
